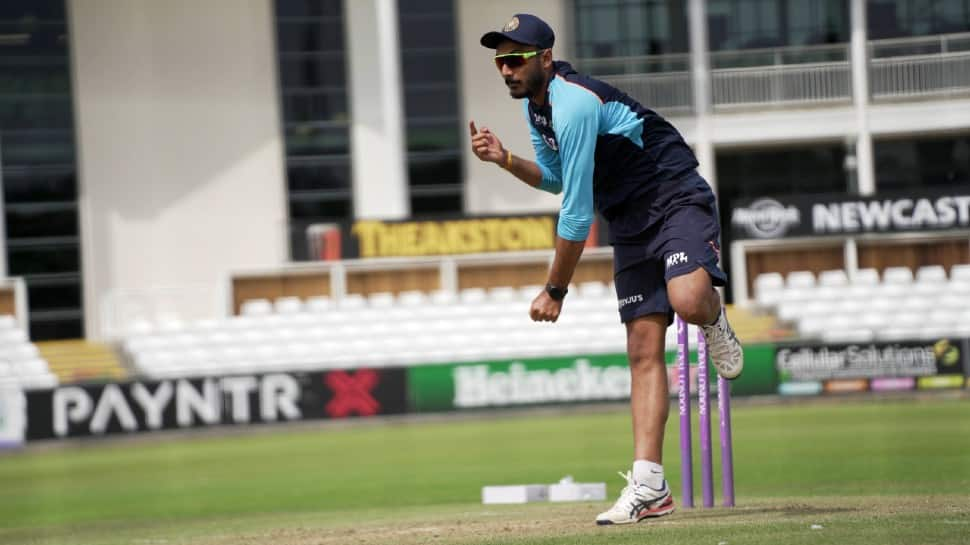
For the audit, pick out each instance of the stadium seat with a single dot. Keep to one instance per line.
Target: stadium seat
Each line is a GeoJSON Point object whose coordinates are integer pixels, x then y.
{"type": "Point", "coordinates": [897, 275]}
{"type": "Point", "coordinates": [7, 322]}
{"type": "Point", "coordinates": [800, 280]}
{"type": "Point", "coordinates": [833, 278]}
{"type": "Point", "coordinates": [412, 298]}
{"type": "Point", "coordinates": [319, 304]}
{"type": "Point", "coordinates": [288, 305]}
{"type": "Point", "coordinates": [471, 296]}
{"type": "Point", "coordinates": [256, 307]}
{"type": "Point", "coordinates": [865, 277]}
{"type": "Point", "coordinates": [960, 273]}
{"type": "Point", "coordinates": [380, 300]}
{"type": "Point", "coordinates": [931, 274]}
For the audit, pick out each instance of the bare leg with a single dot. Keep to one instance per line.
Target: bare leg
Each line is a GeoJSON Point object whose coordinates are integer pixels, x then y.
{"type": "Point", "coordinates": [648, 393]}
{"type": "Point", "coordinates": [694, 298]}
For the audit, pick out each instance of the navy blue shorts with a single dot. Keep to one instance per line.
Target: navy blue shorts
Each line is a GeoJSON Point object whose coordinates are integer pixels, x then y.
{"type": "Point", "coordinates": [687, 237]}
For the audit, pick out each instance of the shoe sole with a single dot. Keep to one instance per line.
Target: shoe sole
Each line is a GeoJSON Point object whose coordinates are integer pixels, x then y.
{"type": "Point", "coordinates": [663, 509]}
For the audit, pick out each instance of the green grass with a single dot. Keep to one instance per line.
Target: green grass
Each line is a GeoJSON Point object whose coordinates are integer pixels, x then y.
{"type": "Point", "coordinates": [788, 458]}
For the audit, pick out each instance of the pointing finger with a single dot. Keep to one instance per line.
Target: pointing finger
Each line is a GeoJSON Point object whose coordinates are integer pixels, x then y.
{"type": "Point", "coordinates": [471, 127]}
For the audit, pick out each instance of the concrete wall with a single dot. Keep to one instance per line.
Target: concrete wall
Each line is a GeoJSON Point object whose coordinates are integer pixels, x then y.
{"type": "Point", "coordinates": [180, 154]}
{"type": "Point", "coordinates": [486, 100]}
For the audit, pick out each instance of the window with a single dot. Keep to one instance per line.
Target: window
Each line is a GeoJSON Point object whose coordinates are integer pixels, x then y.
{"type": "Point", "coordinates": [429, 72]}
{"type": "Point", "coordinates": [756, 24]}
{"type": "Point", "coordinates": [627, 28]}
{"type": "Point", "coordinates": [920, 162]}
{"type": "Point", "coordinates": [900, 18]}
{"type": "Point", "coordinates": [37, 160]}
{"type": "Point", "coordinates": [315, 110]}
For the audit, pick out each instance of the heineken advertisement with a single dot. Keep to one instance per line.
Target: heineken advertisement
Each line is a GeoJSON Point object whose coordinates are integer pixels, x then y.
{"type": "Point", "coordinates": [541, 381]}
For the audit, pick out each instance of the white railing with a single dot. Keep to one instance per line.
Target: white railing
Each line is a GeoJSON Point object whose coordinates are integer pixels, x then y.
{"type": "Point", "coordinates": [659, 82]}
{"type": "Point", "coordinates": [914, 67]}
{"type": "Point", "coordinates": [669, 93]}
{"type": "Point", "coordinates": [929, 66]}
{"type": "Point", "coordinates": [781, 85]}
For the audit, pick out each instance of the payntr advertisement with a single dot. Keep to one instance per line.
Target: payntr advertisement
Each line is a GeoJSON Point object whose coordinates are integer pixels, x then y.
{"type": "Point", "coordinates": [133, 407]}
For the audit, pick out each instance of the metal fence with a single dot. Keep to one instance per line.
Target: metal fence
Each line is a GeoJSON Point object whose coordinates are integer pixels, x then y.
{"type": "Point", "coordinates": [929, 66]}
{"type": "Point", "coordinates": [669, 93]}
{"type": "Point", "coordinates": [781, 85]}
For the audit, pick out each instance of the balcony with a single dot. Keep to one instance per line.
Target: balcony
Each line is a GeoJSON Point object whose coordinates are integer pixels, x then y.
{"type": "Point", "coordinates": [899, 69]}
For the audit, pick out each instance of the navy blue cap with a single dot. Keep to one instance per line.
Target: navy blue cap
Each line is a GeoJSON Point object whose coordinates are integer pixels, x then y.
{"type": "Point", "coordinates": [524, 29]}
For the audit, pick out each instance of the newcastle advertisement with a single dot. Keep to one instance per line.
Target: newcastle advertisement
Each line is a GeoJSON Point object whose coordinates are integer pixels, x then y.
{"type": "Point", "coordinates": [825, 215]}
{"type": "Point", "coordinates": [102, 409]}
{"type": "Point", "coordinates": [810, 369]}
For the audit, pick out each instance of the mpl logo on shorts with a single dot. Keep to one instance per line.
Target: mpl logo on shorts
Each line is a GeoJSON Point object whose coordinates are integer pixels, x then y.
{"type": "Point", "coordinates": [676, 259]}
{"type": "Point", "coordinates": [766, 218]}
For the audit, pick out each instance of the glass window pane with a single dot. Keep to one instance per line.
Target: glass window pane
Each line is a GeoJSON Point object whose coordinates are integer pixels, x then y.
{"type": "Point", "coordinates": [308, 8]}
{"type": "Point", "coordinates": [54, 295]}
{"type": "Point", "coordinates": [433, 135]}
{"type": "Point", "coordinates": [36, 112]}
{"type": "Point", "coordinates": [308, 139]}
{"type": "Point", "coordinates": [429, 66]}
{"type": "Point", "coordinates": [427, 6]}
{"type": "Point", "coordinates": [29, 38]}
{"type": "Point", "coordinates": [317, 70]}
{"type": "Point", "coordinates": [300, 36]}
{"type": "Point", "coordinates": [437, 169]}
{"type": "Point", "coordinates": [37, 147]}
{"type": "Point", "coordinates": [19, 10]}
{"type": "Point", "coordinates": [39, 184]}
{"type": "Point", "coordinates": [322, 209]}
{"type": "Point", "coordinates": [20, 75]}
{"type": "Point", "coordinates": [435, 205]}
{"type": "Point", "coordinates": [427, 31]}
{"type": "Point", "coordinates": [915, 163]}
{"type": "Point", "coordinates": [48, 329]}
{"type": "Point", "coordinates": [431, 101]}
{"type": "Point", "coordinates": [319, 176]}
{"type": "Point", "coordinates": [30, 221]}
{"type": "Point", "coordinates": [50, 258]}
{"type": "Point", "coordinates": [315, 105]}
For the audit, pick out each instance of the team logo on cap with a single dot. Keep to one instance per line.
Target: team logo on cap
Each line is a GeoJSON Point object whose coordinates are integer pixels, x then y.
{"type": "Point", "coordinates": [511, 25]}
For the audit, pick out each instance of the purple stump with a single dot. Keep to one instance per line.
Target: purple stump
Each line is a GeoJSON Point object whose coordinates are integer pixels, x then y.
{"type": "Point", "coordinates": [727, 457]}
{"type": "Point", "coordinates": [704, 413]}
{"type": "Point", "coordinates": [683, 397]}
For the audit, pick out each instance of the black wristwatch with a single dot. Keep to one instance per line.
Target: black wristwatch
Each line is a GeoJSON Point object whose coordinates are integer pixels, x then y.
{"type": "Point", "coordinates": [557, 293]}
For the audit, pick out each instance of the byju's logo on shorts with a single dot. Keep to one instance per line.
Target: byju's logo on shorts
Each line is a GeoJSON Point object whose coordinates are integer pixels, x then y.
{"type": "Point", "coordinates": [638, 298]}
{"type": "Point", "coordinates": [766, 218]}
{"type": "Point", "coordinates": [676, 259]}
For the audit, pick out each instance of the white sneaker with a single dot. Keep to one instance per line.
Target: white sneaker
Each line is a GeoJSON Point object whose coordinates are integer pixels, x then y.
{"type": "Point", "coordinates": [723, 347]}
{"type": "Point", "coordinates": [637, 502]}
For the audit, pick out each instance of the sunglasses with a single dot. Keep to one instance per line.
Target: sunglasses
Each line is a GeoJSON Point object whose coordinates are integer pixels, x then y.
{"type": "Point", "coordinates": [515, 60]}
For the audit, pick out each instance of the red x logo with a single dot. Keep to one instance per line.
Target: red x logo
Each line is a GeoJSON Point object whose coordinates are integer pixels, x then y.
{"type": "Point", "coordinates": [352, 393]}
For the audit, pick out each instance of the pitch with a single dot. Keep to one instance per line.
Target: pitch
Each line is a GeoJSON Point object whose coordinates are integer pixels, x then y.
{"type": "Point", "coordinates": [850, 471]}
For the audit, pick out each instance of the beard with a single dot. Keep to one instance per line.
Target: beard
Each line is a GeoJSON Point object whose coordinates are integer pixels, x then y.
{"type": "Point", "coordinates": [530, 87]}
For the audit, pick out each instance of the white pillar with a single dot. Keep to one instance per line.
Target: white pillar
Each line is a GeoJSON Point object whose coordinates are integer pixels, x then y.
{"type": "Point", "coordinates": [865, 172]}
{"type": "Point", "coordinates": [701, 80]}
{"type": "Point", "coordinates": [377, 115]}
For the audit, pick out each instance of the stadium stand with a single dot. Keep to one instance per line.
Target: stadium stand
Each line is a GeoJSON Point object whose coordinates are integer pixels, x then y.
{"type": "Point", "coordinates": [384, 329]}
{"type": "Point", "coordinates": [20, 360]}
{"type": "Point", "coordinates": [841, 307]}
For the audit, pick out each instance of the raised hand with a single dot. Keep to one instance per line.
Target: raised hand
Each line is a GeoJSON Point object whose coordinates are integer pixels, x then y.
{"type": "Point", "coordinates": [486, 146]}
